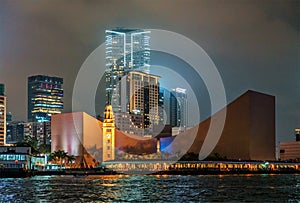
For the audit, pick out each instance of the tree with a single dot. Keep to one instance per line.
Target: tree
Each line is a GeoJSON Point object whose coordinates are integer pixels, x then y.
{"type": "Point", "coordinates": [32, 142]}
{"type": "Point", "coordinates": [45, 149]}
{"type": "Point", "coordinates": [58, 156]}
{"type": "Point", "coordinates": [71, 159]}
{"type": "Point", "coordinates": [61, 157]}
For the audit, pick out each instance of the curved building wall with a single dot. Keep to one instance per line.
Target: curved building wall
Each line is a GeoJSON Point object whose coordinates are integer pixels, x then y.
{"type": "Point", "coordinates": [249, 131]}
{"type": "Point", "coordinates": [72, 131]}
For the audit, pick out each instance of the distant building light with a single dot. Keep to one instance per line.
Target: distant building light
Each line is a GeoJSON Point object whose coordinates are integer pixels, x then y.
{"type": "Point", "coordinates": [136, 111]}
{"type": "Point", "coordinates": [180, 90]}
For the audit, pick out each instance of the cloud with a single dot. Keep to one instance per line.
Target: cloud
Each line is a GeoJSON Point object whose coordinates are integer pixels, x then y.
{"type": "Point", "coordinates": [254, 44]}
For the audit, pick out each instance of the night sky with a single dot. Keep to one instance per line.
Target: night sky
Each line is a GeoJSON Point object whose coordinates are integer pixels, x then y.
{"type": "Point", "coordinates": [254, 44]}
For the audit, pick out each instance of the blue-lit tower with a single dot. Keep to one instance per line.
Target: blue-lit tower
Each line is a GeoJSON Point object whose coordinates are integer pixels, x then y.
{"type": "Point", "coordinates": [126, 49]}
{"type": "Point", "coordinates": [178, 108]}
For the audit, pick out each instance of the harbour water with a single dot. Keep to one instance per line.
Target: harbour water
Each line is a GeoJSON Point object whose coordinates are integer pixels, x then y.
{"type": "Point", "coordinates": [151, 188]}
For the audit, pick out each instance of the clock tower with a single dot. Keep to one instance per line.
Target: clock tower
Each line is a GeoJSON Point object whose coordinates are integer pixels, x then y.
{"type": "Point", "coordinates": [108, 135]}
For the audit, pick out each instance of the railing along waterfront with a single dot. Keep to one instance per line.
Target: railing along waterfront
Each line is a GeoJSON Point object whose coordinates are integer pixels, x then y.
{"type": "Point", "coordinates": [202, 167]}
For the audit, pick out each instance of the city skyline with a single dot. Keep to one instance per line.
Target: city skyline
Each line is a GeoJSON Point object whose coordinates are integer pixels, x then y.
{"type": "Point", "coordinates": [257, 50]}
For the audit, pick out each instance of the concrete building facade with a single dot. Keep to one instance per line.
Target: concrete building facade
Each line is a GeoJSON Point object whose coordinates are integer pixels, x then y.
{"type": "Point", "coordinates": [139, 100]}
{"type": "Point", "coordinates": [291, 150]}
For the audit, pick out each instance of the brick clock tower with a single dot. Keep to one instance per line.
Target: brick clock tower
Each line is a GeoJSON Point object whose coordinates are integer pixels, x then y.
{"type": "Point", "coordinates": [108, 135]}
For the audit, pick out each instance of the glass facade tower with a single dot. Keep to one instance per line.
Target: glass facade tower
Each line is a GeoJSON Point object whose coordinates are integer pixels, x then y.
{"type": "Point", "coordinates": [45, 97]}
{"type": "Point", "coordinates": [126, 49]}
{"type": "Point", "coordinates": [178, 108]}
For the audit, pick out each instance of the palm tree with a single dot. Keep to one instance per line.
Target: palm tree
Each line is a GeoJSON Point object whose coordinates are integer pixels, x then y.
{"type": "Point", "coordinates": [59, 156]}
{"type": "Point", "coordinates": [71, 159]}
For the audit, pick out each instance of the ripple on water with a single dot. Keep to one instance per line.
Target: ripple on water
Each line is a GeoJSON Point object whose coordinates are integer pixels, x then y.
{"type": "Point", "coordinates": [278, 188]}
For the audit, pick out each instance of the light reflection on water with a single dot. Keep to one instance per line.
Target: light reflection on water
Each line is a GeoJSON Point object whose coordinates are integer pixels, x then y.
{"type": "Point", "coordinates": [124, 188]}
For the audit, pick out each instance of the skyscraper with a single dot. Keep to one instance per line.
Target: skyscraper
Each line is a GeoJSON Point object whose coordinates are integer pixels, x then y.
{"type": "Point", "coordinates": [126, 49]}
{"type": "Point", "coordinates": [45, 97]}
{"type": "Point", "coordinates": [164, 105]}
{"type": "Point", "coordinates": [14, 132]}
{"type": "Point", "coordinates": [129, 48]}
{"type": "Point", "coordinates": [2, 115]}
{"type": "Point", "coordinates": [178, 108]}
{"type": "Point", "coordinates": [139, 100]}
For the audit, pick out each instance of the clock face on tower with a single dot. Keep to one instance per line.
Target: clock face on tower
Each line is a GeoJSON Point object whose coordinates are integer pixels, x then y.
{"type": "Point", "coordinates": [108, 135]}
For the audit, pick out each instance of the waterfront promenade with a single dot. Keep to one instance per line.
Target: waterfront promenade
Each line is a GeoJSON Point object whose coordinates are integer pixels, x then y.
{"type": "Point", "coordinates": [201, 167]}
{"type": "Point", "coordinates": [168, 168]}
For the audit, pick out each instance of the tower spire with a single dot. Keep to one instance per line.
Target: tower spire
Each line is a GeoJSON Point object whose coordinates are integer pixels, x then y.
{"type": "Point", "coordinates": [108, 135]}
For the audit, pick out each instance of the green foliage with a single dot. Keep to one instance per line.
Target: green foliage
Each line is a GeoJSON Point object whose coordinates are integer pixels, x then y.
{"type": "Point", "coordinates": [60, 156]}
{"type": "Point", "coordinates": [33, 142]}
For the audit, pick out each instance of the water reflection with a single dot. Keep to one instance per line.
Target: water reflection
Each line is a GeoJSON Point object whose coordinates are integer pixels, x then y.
{"type": "Point", "coordinates": [158, 188]}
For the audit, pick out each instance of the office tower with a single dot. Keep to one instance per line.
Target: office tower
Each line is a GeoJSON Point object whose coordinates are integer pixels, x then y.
{"type": "Point", "coordinates": [126, 49]}
{"type": "Point", "coordinates": [178, 108]}
{"type": "Point", "coordinates": [2, 115]}
{"type": "Point", "coordinates": [129, 48]}
{"type": "Point", "coordinates": [139, 99]}
{"type": "Point", "coordinates": [8, 117]}
{"type": "Point", "coordinates": [14, 132]}
{"type": "Point", "coordinates": [2, 89]}
{"type": "Point", "coordinates": [39, 130]}
{"type": "Point", "coordinates": [45, 97]}
{"type": "Point", "coordinates": [164, 105]}
{"type": "Point", "coordinates": [18, 131]}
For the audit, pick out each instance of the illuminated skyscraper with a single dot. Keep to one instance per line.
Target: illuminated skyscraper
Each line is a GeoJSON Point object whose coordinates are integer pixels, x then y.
{"type": "Point", "coordinates": [126, 49]}
{"type": "Point", "coordinates": [14, 132]}
{"type": "Point", "coordinates": [139, 100]}
{"type": "Point", "coordinates": [164, 105]}
{"type": "Point", "coordinates": [178, 108]}
{"type": "Point", "coordinates": [129, 48]}
{"type": "Point", "coordinates": [2, 115]}
{"type": "Point", "coordinates": [45, 97]}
